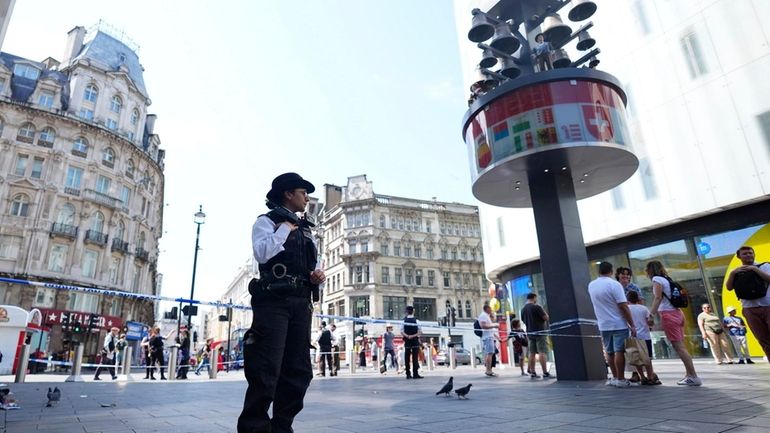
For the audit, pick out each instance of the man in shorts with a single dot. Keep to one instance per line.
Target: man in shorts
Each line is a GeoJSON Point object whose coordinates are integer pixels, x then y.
{"type": "Point", "coordinates": [614, 317]}
{"type": "Point", "coordinates": [536, 320]}
{"type": "Point", "coordinates": [488, 338]}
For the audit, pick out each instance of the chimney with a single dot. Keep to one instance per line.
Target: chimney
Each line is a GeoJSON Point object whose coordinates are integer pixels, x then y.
{"type": "Point", "coordinates": [74, 44]}
{"type": "Point", "coordinates": [149, 124]}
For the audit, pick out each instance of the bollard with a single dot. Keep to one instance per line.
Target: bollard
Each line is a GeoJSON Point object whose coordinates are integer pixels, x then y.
{"type": "Point", "coordinates": [351, 361]}
{"type": "Point", "coordinates": [172, 357]}
{"type": "Point", "coordinates": [473, 357]}
{"type": "Point", "coordinates": [428, 359]}
{"type": "Point", "coordinates": [76, 366]}
{"type": "Point", "coordinates": [126, 373]}
{"type": "Point", "coordinates": [511, 360]}
{"type": "Point", "coordinates": [213, 363]}
{"type": "Point", "coordinates": [21, 368]}
{"type": "Point", "coordinates": [452, 360]}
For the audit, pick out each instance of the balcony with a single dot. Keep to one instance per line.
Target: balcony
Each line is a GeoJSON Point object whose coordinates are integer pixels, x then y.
{"type": "Point", "coordinates": [72, 191]}
{"type": "Point", "coordinates": [64, 230]}
{"type": "Point", "coordinates": [94, 237]}
{"type": "Point", "coordinates": [108, 163]}
{"type": "Point", "coordinates": [79, 153]}
{"type": "Point", "coordinates": [25, 139]}
{"type": "Point", "coordinates": [101, 198]}
{"type": "Point", "coordinates": [142, 255]}
{"type": "Point", "coordinates": [120, 245]}
{"type": "Point", "coordinates": [44, 143]}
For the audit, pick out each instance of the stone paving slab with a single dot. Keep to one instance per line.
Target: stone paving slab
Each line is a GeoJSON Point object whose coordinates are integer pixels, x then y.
{"type": "Point", "coordinates": [733, 399]}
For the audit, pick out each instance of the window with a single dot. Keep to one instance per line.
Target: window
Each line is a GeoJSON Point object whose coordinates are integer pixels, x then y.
{"type": "Point", "coordinates": [115, 304]}
{"type": "Point", "coordinates": [9, 247]}
{"type": "Point", "coordinates": [693, 55]}
{"type": "Point", "coordinates": [37, 167]}
{"type": "Point", "coordinates": [459, 309]}
{"type": "Point", "coordinates": [408, 276]}
{"type": "Point", "coordinates": [108, 156]}
{"type": "Point", "coordinates": [134, 116]}
{"type": "Point", "coordinates": [431, 278]}
{"type": "Point", "coordinates": [359, 305]}
{"type": "Point", "coordinates": [385, 275]}
{"type": "Point", "coordinates": [458, 281]}
{"type": "Point", "coordinates": [467, 280]}
{"type": "Point", "coordinates": [112, 124]}
{"type": "Point", "coordinates": [26, 133]}
{"type": "Point", "coordinates": [407, 251]}
{"type": "Point", "coordinates": [393, 306]}
{"type": "Point", "coordinates": [89, 263]}
{"type": "Point", "coordinates": [364, 246]}
{"type": "Point", "coordinates": [447, 278]}
{"type": "Point", "coordinates": [120, 230]}
{"type": "Point", "coordinates": [74, 177]}
{"type": "Point", "coordinates": [57, 258]}
{"type": "Point", "coordinates": [397, 249]}
{"type": "Point", "coordinates": [427, 226]}
{"type": "Point", "coordinates": [125, 195]}
{"type": "Point", "coordinates": [86, 114]}
{"type": "Point", "coordinates": [97, 224]}
{"type": "Point", "coordinates": [44, 297]}
{"type": "Point", "coordinates": [103, 184]}
{"type": "Point", "coordinates": [91, 93]}
{"type": "Point", "coordinates": [444, 254]}
{"type": "Point", "coordinates": [382, 221]}
{"type": "Point", "coordinates": [418, 277]}
{"type": "Point", "coordinates": [384, 248]}
{"type": "Point", "coordinates": [425, 309]}
{"type": "Point", "coordinates": [66, 215]}
{"type": "Point", "coordinates": [131, 135]}
{"type": "Point", "coordinates": [20, 205]}
{"type": "Point", "coordinates": [140, 241]}
{"type": "Point", "coordinates": [430, 253]}
{"type": "Point", "coordinates": [47, 135]}
{"type": "Point", "coordinates": [26, 71]}
{"type": "Point", "coordinates": [352, 247]}
{"type": "Point", "coordinates": [468, 312]}
{"type": "Point", "coordinates": [84, 302]}
{"type": "Point", "coordinates": [417, 251]}
{"type": "Point", "coordinates": [359, 274]}
{"type": "Point", "coordinates": [21, 165]}
{"type": "Point", "coordinates": [398, 275]}
{"type": "Point", "coordinates": [130, 168]}
{"type": "Point", "coordinates": [463, 254]}
{"type": "Point", "coordinates": [116, 104]}
{"type": "Point", "coordinates": [454, 253]}
{"type": "Point", "coordinates": [80, 147]}
{"type": "Point", "coordinates": [45, 99]}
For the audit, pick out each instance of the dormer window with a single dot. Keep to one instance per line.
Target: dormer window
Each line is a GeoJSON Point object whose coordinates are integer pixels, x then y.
{"type": "Point", "coordinates": [134, 116]}
{"type": "Point", "coordinates": [26, 71]}
{"type": "Point", "coordinates": [91, 93]}
{"type": "Point", "coordinates": [45, 99]}
{"type": "Point", "coordinates": [108, 157]}
{"type": "Point", "coordinates": [116, 104]}
{"type": "Point", "coordinates": [121, 58]}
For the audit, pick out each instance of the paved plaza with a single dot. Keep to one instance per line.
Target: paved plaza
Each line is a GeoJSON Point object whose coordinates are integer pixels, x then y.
{"type": "Point", "coordinates": [734, 398]}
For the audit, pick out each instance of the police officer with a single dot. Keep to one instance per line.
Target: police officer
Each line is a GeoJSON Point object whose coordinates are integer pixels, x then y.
{"type": "Point", "coordinates": [276, 347]}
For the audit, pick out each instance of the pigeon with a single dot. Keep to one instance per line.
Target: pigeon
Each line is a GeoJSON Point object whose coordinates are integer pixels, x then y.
{"type": "Point", "coordinates": [447, 389]}
{"type": "Point", "coordinates": [463, 392]}
{"type": "Point", "coordinates": [53, 396]}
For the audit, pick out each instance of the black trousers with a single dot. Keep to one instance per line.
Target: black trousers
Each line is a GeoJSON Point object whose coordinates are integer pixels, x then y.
{"type": "Point", "coordinates": [183, 364]}
{"type": "Point", "coordinates": [393, 357]}
{"type": "Point", "coordinates": [111, 369]}
{"type": "Point", "coordinates": [277, 365]}
{"type": "Point", "coordinates": [326, 360]}
{"type": "Point", "coordinates": [157, 358]}
{"type": "Point", "coordinates": [412, 353]}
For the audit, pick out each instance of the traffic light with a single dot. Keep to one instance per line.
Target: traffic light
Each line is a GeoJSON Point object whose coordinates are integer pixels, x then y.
{"type": "Point", "coordinates": [93, 321]}
{"type": "Point", "coordinates": [65, 321]}
{"type": "Point", "coordinates": [195, 336]}
{"type": "Point", "coordinates": [453, 317]}
{"type": "Point", "coordinates": [171, 315]}
{"type": "Point", "coordinates": [77, 328]}
{"type": "Point", "coordinates": [360, 332]}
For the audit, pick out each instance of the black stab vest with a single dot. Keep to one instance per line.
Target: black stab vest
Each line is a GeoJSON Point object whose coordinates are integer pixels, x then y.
{"type": "Point", "coordinates": [411, 330]}
{"type": "Point", "coordinates": [299, 254]}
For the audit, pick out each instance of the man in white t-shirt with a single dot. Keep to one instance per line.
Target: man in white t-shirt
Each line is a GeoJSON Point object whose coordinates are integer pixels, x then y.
{"type": "Point", "coordinates": [615, 321]}
{"type": "Point", "coordinates": [756, 311]}
{"type": "Point", "coordinates": [488, 338]}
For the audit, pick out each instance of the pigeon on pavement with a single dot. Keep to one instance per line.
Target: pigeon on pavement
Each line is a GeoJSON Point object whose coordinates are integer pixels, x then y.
{"type": "Point", "coordinates": [463, 392]}
{"type": "Point", "coordinates": [53, 396]}
{"type": "Point", "coordinates": [447, 389]}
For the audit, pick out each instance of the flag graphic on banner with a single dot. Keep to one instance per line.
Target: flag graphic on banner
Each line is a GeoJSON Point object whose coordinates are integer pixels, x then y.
{"type": "Point", "coordinates": [598, 122]}
{"type": "Point", "coordinates": [483, 153]}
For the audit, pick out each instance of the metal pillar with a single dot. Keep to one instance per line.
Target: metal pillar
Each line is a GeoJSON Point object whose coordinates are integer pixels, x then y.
{"type": "Point", "coordinates": [76, 366]}
{"type": "Point", "coordinates": [213, 361]}
{"type": "Point", "coordinates": [21, 368]}
{"type": "Point", "coordinates": [172, 357]}
{"type": "Point", "coordinates": [428, 359]}
{"type": "Point", "coordinates": [473, 357]}
{"type": "Point", "coordinates": [511, 360]}
{"type": "Point", "coordinates": [126, 373]}
{"type": "Point", "coordinates": [564, 264]}
{"type": "Point", "coordinates": [351, 361]}
{"type": "Point", "coordinates": [452, 360]}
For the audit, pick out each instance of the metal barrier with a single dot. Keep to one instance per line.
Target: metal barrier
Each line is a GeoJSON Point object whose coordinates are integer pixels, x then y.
{"type": "Point", "coordinates": [75, 376]}
{"type": "Point", "coordinates": [21, 368]}
{"type": "Point", "coordinates": [452, 358]}
{"type": "Point", "coordinates": [172, 357]}
{"type": "Point", "coordinates": [213, 364]}
{"type": "Point", "coordinates": [126, 373]}
{"type": "Point", "coordinates": [351, 361]}
{"type": "Point", "coordinates": [474, 364]}
{"type": "Point", "coordinates": [511, 360]}
{"type": "Point", "coordinates": [428, 358]}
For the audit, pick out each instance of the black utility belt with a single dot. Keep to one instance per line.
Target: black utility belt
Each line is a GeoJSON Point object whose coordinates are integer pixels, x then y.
{"type": "Point", "coordinates": [282, 287]}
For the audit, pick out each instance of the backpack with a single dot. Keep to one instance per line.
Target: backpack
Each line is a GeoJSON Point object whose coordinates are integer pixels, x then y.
{"type": "Point", "coordinates": [678, 296]}
{"type": "Point", "coordinates": [477, 328]}
{"type": "Point", "coordinates": [749, 285]}
{"type": "Point", "coordinates": [325, 339]}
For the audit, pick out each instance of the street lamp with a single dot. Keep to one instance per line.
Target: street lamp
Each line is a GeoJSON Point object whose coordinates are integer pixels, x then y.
{"type": "Point", "coordinates": [199, 218]}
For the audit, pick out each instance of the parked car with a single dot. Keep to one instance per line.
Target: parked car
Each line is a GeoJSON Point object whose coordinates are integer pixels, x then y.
{"type": "Point", "coordinates": [462, 357]}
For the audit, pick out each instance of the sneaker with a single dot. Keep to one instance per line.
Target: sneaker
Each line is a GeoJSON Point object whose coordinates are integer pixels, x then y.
{"type": "Point", "coordinates": [622, 383]}
{"type": "Point", "coordinates": [635, 383]}
{"type": "Point", "coordinates": [534, 376]}
{"type": "Point", "coordinates": [96, 378]}
{"type": "Point", "coordinates": [417, 376]}
{"type": "Point", "coordinates": [749, 361]}
{"type": "Point", "coordinates": [490, 374]}
{"type": "Point", "coordinates": [690, 381]}
{"type": "Point", "coordinates": [611, 381]}
{"type": "Point", "coordinates": [741, 362]}
{"type": "Point", "coordinates": [546, 375]}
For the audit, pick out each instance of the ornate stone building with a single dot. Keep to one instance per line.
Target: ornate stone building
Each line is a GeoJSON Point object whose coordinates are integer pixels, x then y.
{"type": "Point", "coordinates": [81, 183]}
{"type": "Point", "coordinates": [382, 253]}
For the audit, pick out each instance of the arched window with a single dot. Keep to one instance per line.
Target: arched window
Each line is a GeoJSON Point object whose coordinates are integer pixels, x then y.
{"type": "Point", "coordinates": [108, 156]}
{"type": "Point", "coordinates": [116, 104]}
{"type": "Point", "coordinates": [134, 116]}
{"type": "Point", "coordinates": [130, 168]}
{"type": "Point", "coordinates": [66, 215]}
{"type": "Point", "coordinates": [97, 224]}
{"type": "Point", "coordinates": [80, 146]}
{"type": "Point", "coordinates": [47, 134]}
{"type": "Point", "coordinates": [468, 309]}
{"type": "Point", "coordinates": [140, 242]}
{"type": "Point", "coordinates": [91, 93]}
{"type": "Point", "coordinates": [459, 308]}
{"type": "Point", "coordinates": [20, 205]}
{"type": "Point", "coordinates": [120, 230]}
{"type": "Point", "coordinates": [26, 133]}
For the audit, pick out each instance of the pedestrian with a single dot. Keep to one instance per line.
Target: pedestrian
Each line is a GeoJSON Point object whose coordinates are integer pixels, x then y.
{"type": "Point", "coordinates": [671, 319]}
{"type": "Point", "coordinates": [750, 281]}
{"type": "Point", "coordinates": [108, 354]}
{"type": "Point", "coordinates": [184, 354]}
{"type": "Point", "coordinates": [713, 331]}
{"type": "Point", "coordinates": [275, 348]}
{"type": "Point", "coordinates": [536, 320]}
{"type": "Point", "coordinates": [120, 348]}
{"type": "Point", "coordinates": [206, 353]}
{"type": "Point", "coordinates": [643, 321]}
{"type": "Point", "coordinates": [156, 352]}
{"type": "Point", "coordinates": [374, 348]}
{"type": "Point", "coordinates": [388, 348]}
{"type": "Point", "coordinates": [519, 337]}
{"type": "Point", "coordinates": [737, 330]}
{"type": "Point", "coordinates": [488, 327]}
{"type": "Point", "coordinates": [411, 332]}
{"type": "Point", "coordinates": [614, 319]}
{"type": "Point", "coordinates": [335, 349]}
{"type": "Point", "coordinates": [324, 342]}
{"type": "Point", "coordinates": [145, 345]}
{"type": "Point", "coordinates": [624, 275]}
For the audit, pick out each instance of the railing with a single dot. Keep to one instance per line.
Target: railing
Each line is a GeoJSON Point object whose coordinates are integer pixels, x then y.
{"type": "Point", "coordinates": [71, 191]}
{"type": "Point", "coordinates": [59, 229]}
{"type": "Point", "coordinates": [119, 245]}
{"type": "Point", "coordinates": [142, 254]}
{"type": "Point", "coordinates": [101, 198]}
{"type": "Point", "coordinates": [24, 139]}
{"type": "Point", "coordinates": [44, 143]}
{"type": "Point", "coordinates": [107, 163]}
{"type": "Point", "coordinates": [95, 237]}
{"type": "Point", "coordinates": [79, 153]}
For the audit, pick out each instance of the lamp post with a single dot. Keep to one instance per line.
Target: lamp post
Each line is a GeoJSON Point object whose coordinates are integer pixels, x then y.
{"type": "Point", "coordinates": [199, 218]}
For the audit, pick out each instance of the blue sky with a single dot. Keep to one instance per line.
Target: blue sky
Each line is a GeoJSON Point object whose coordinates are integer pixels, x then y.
{"type": "Point", "coordinates": [246, 90]}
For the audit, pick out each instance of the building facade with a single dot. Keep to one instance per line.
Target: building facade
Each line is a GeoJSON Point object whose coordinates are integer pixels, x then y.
{"type": "Point", "coordinates": [382, 253]}
{"type": "Point", "coordinates": [237, 292]}
{"type": "Point", "coordinates": [81, 184]}
{"type": "Point", "coordinates": [699, 114]}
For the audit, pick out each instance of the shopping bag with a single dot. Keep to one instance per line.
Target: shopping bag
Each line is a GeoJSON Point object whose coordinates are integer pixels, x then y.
{"type": "Point", "coordinates": [636, 352]}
